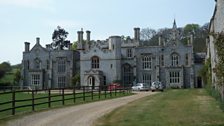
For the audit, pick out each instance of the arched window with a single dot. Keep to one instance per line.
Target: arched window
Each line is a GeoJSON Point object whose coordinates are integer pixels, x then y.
{"type": "Point", "coordinates": [146, 62]}
{"type": "Point", "coordinates": [95, 62]}
{"type": "Point", "coordinates": [175, 59]}
{"type": "Point", "coordinates": [127, 74]}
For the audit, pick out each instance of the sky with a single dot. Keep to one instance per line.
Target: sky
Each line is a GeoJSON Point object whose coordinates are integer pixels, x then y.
{"type": "Point", "coordinates": [24, 20]}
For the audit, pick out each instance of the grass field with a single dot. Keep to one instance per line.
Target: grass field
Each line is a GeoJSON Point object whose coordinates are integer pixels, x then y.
{"type": "Point", "coordinates": [189, 107]}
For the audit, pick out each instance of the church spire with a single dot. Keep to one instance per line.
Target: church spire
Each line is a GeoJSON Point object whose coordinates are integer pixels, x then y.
{"type": "Point", "coordinates": [174, 24]}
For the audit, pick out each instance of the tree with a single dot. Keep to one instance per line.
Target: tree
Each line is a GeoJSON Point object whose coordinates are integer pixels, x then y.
{"type": "Point", "coordinates": [4, 67]}
{"type": "Point", "coordinates": [191, 28]}
{"type": "Point", "coordinates": [147, 33]}
{"type": "Point", "coordinates": [74, 45]}
{"type": "Point", "coordinates": [76, 79]}
{"type": "Point", "coordinates": [17, 77]}
{"type": "Point", "coordinates": [59, 38]}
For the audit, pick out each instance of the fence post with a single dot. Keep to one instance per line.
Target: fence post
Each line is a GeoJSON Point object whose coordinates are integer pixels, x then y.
{"type": "Point", "coordinates": [105, 91]}
{"type": "Point", "coordinates": [74, 99]}
{"type": "Point", "coordinates": [115, 91]}
{"type": "Point", "coordinates": [49, 98]}
{"type": "Point", "coordinates": [84, 93]}
{"type": "Point", "coordinates": [110, 93]}
{"type": "Point", "coordinates": [32, 100]}
{"type": "Point", "coordinates": [99, 91]}
{"type": "Point", "coordinates": [63, 96]}
{"type": "Point", "coordinates": [92, 93]}
{"type": "Point", "coordinates": [13, 102]}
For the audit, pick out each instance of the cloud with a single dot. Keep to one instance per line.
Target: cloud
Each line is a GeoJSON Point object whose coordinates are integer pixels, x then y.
{"type": "Point", "coordinates": [36, 4]}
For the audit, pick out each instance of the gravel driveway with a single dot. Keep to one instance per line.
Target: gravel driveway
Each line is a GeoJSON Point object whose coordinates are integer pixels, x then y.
{"type": "Point", "coordinates": [79, 115]}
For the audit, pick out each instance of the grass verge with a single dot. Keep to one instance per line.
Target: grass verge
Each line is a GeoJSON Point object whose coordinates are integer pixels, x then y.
{"type": "Point", "coordinates": [188, 107]}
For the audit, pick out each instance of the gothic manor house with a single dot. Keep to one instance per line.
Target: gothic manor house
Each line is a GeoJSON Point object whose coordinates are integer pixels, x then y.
{"type": "Point", "coordinates": [114, 60]}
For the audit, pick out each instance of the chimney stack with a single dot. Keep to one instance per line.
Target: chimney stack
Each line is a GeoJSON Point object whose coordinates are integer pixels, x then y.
{"type": "Point", "coordinates": [87, 44]}
{"type": "Point", "coordinates": [37, 40]}
{"type": "Point", "coordinates": [81, 36]}
{"type": "Point", "coordinates": [160, 40]}
{"type": "Point", "coordinates": [48, 46]}
{"type": "Point", "coordinates": [80, 40]}
{"type": "Point", "coordinates": [27, 46]}
{"type": "Point", "coordinates": [78, 32]}
{"type": "Point", "coordinates": [88, 36]}
{"type": "Point", "coordinates": [137, 34]}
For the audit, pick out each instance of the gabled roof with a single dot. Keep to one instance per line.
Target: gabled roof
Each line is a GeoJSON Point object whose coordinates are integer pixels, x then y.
{"type": "Point", "coordinates": [38, 46]}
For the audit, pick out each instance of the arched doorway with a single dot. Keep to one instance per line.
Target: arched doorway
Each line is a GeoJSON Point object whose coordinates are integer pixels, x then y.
{"type": "Point", "coordinates": [91, 82]}
{"type": "Point", "coordinates": [127, 71]}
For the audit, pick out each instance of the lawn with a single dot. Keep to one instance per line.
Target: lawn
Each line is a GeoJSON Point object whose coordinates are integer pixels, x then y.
{"type": "Point", "coordinates": [183, 107]}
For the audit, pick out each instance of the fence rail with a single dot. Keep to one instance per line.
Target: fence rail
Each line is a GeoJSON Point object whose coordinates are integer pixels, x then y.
{"type": "Point", "coordinates": [11, 101]}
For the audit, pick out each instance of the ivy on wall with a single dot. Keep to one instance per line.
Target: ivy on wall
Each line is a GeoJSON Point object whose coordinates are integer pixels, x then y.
{"type": "Point", "coordinates": [205, 72]}
{"type": "Point", "coordinates": [219, 68]}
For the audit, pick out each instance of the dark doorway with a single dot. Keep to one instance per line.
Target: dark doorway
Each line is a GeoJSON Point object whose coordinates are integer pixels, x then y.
{"type": "Point", "coordinates": [127, 75]}
{"type": "Point", "coordinates": [104, 80]}
{"type": "Point", "coordinates": [199, 82]}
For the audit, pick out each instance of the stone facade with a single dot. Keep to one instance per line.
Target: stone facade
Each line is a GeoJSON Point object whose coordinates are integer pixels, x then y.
{"type": "Point", "coordinates": [216, 26]}
{"type": "Point", "coordinates": [129, 62]}
{"type": "Point", "coordinates": [115, 59]}
{"type": "Point", "coordinates": [44, 68]}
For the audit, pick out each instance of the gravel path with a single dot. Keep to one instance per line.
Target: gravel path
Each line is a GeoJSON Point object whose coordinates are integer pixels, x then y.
{"type": "Point", "coordinates": [80, 115]}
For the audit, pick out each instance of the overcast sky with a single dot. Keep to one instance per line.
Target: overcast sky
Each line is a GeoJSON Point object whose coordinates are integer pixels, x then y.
{"type": "Point", "coordinates": [24, 20]}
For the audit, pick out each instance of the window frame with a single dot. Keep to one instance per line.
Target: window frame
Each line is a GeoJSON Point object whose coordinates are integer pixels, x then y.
{"type": "Point", "coordinates": [175, 59]}
{"type": "Point", "coordinates": [129, 53]}
{"type": "Point", "coordinates": [61, 81]}
{"type": "Point", "coordinates": [35, 79]}
{"type": "Point", "coordinates": [95, 62]}
{"type": "Point", "coordinates": [174, 77]}
{"type": "Point", "coordinates": [147, 62]}
{"type": "Point", "coordinates": [61, 65]}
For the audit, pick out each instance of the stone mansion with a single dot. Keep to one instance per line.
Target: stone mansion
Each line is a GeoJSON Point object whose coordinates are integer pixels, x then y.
{"type": "Point", "coordinates": [115, 59]}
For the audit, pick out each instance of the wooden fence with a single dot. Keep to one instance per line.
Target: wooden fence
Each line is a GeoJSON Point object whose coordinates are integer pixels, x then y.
{"type": "Point", "coordinates": [17, 99]}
